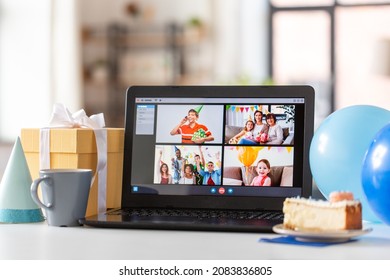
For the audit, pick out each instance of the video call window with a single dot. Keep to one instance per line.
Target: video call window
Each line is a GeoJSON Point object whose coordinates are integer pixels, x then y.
{"type": "Point", "coordinates": [260, 124]}
{"type": "Point", "coordinates": [211, 144]}
{"type": "Point", "coordinates": [189, 124]}
{"type": "Point", "coordinates": [258, 166]}
{"type": "Point", "coordinates": [188, 164]}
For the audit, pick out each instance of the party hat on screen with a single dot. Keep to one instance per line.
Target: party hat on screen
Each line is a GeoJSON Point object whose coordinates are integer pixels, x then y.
{"type": "Point", "coordinates": [16, 204]}
{"type": "Point", "coordinates": [198, 109]}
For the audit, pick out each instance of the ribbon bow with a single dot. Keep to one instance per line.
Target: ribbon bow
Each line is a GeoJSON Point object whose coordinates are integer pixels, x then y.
{"type": "Point", "coordinates": [62, 118]}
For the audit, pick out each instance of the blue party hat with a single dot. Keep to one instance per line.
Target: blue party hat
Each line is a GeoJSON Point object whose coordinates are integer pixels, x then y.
{"type": "Point", "coordinates": [16, 204]}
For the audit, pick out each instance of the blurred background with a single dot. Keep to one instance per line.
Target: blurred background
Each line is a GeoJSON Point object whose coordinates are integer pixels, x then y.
{"type": "Point", "coordinates": [85, 53]}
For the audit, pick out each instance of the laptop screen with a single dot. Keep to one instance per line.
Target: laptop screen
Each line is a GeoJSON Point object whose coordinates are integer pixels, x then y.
{"type": "Point", "coordinates": [223, 143]}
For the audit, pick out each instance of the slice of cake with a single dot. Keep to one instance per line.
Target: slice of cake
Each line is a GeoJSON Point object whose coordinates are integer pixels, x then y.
{"type": "Point", "coordinates": [310, 214]}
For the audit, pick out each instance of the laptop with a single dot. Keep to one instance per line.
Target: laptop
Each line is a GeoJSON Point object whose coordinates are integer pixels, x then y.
{"type": "Point", "coordinates": [218, 158]}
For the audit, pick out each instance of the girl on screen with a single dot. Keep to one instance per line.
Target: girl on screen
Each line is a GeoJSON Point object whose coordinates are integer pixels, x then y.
{"type": "Point", "coordinates": [188, 176]}
{"type": "Point", "coordinates": [263, 168]}
{"type": "Point", "coordinates": [246, 133]}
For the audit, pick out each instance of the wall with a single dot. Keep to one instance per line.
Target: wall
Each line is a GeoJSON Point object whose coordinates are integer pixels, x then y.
{"type": "Point", "coordinates": [24, 67]}
{"type": "Point", "coordinates": [39, 62]}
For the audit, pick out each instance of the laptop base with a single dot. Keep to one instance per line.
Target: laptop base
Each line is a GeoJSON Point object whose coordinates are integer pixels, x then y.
{"type": "Point", "coordinates": [248, 221]}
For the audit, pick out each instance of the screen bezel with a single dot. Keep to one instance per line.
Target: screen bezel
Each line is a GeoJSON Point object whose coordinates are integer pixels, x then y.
{"type": "Point", "coordinates": [130, 199]}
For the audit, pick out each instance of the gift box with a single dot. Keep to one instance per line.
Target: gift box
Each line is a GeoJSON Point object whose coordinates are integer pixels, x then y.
{"type": "Point", "coordinates": [76, 148]}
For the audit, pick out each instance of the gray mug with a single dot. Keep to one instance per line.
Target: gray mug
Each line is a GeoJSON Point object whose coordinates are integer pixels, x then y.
{"type": "Point", "coordinates": [65, 194]}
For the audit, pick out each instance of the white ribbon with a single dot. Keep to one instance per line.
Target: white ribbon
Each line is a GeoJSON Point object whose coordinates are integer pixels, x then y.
{"type": "Point", "coordinates": [62, 118]}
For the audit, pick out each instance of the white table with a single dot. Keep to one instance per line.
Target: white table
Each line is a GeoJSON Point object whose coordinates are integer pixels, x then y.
{"type": "Point", "coordinates": [39, 241]}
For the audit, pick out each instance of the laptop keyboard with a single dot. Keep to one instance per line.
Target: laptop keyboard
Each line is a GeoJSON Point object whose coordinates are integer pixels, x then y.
{"type": "Point", "coordinates": [201, 214]}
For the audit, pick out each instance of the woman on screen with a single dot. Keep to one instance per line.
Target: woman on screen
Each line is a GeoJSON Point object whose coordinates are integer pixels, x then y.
{"type": "Point", "coordinates": [165, 176]}
{"type": "Point", "coordinates": [260, 131]}
{"type": "Point", "coordinates": [275, 132]}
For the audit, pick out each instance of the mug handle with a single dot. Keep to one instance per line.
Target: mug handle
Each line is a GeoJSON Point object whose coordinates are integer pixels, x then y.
{"type": "Point", "coordinates": [34, 189]}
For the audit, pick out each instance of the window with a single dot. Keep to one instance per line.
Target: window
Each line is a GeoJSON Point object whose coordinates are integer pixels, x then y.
{"type": "Point", "coordinates": [338, 47]}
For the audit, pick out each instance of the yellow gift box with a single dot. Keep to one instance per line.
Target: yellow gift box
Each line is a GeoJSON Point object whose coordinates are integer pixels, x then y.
{"type": "Point", "coordinates": [76, 148]}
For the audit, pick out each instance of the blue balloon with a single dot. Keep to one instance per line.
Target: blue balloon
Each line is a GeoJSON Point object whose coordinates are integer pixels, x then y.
{"type": "Point", "coordinates": [376, 174]}
{"type": "Point", "coordinates": [338, 148]}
